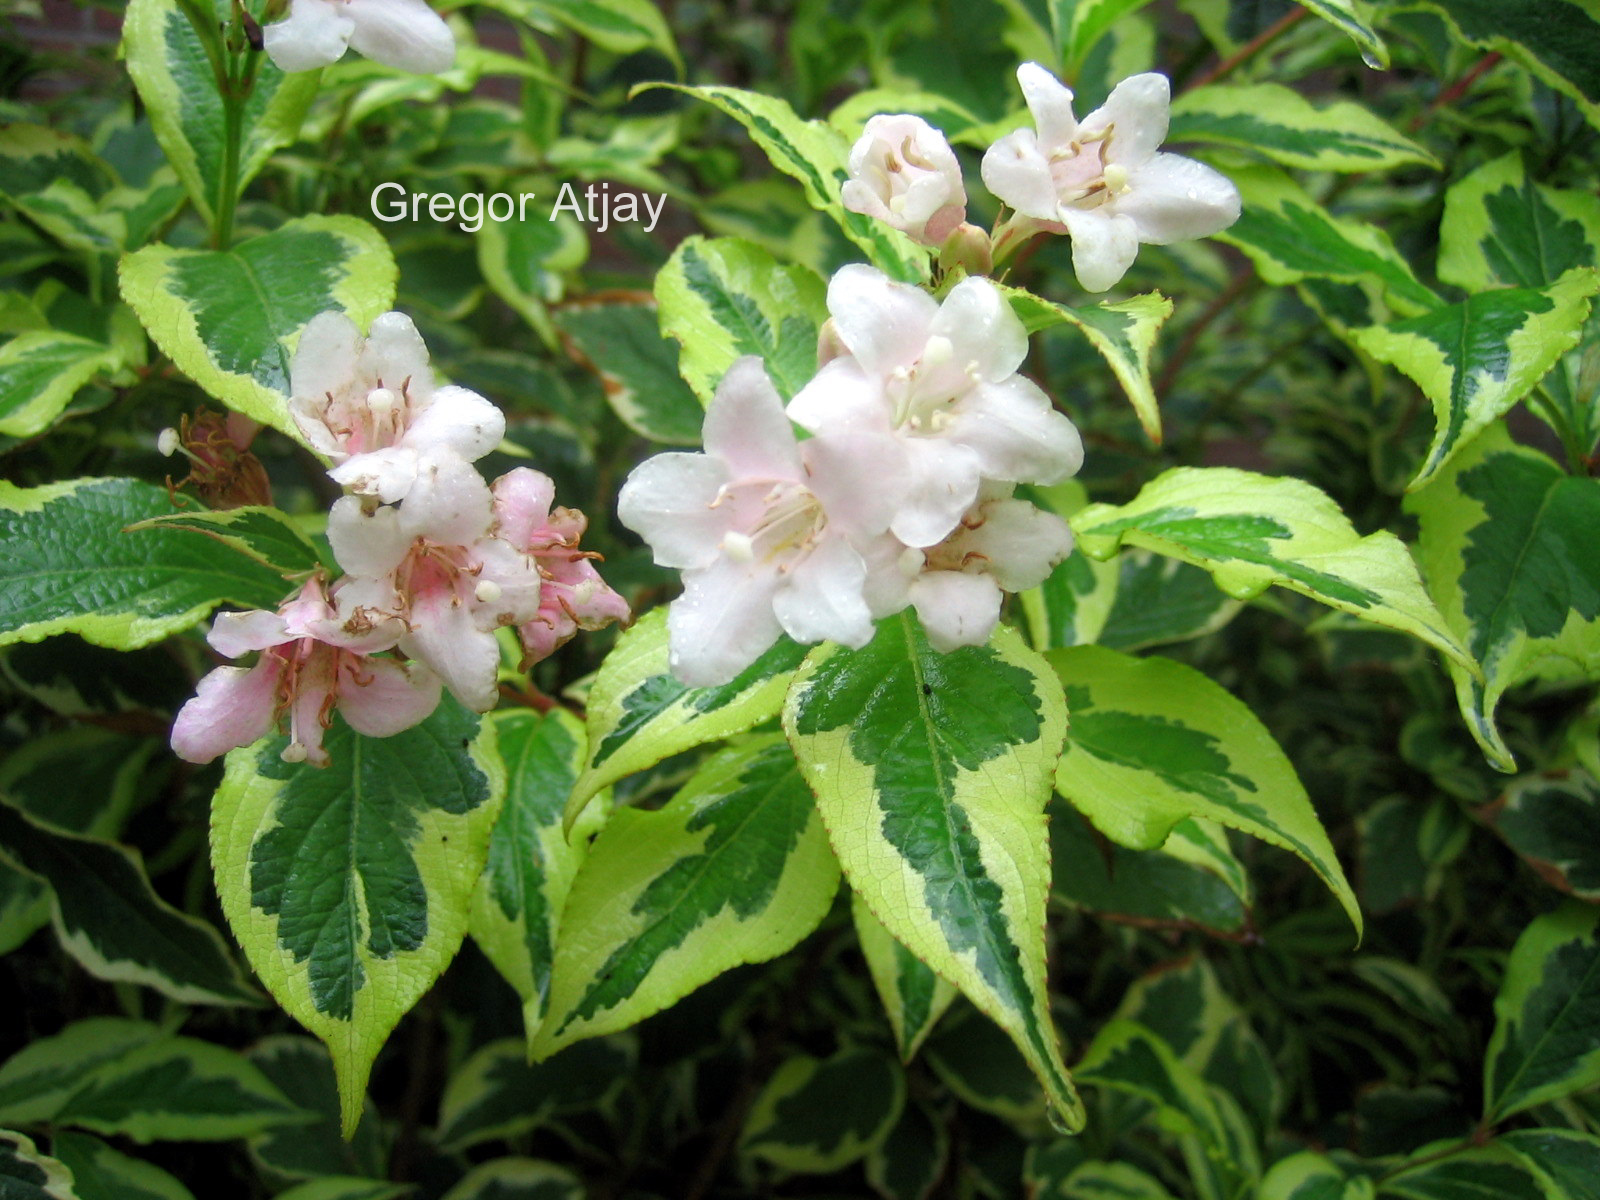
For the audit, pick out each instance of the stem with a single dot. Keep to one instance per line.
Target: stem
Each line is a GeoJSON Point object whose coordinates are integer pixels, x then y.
{"type": "Point", "coordinates": [1456, 90]}
{"type": "Point", "coordinates": [1571, 441]}
{"type": "Point", "coordinates": [1253, 47]}
{"type": "Point", "coordinates": [1220, 303]}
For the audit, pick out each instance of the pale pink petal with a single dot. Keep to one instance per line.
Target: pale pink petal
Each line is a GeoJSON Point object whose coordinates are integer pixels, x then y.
{"type": "Point", "coordinates": [507, 587]}
{"type": "Point", "coordinates": [387, 474]}
{"type": "Point", "coordinates": [942, 484]}
{"type": "Point", "coordinates": [820, 598]}
{"type": "Point", "coordinates": [380, 697]}
{"type": "Point", "coordinates": [1136, 110]}
{"type": "Point", "coordinates": [842, 399]}
{"type": "Point", "coordinates": [1050, 102]}
{"type": "Point", "coordinates": [1172, 199]}
{"type": "Point", "coordinates": [986, 336]}
{"type": "Point", "coordinates": [459, 420]}
{"type": "Point", "coordinates": [884, 323]}
{"type": "Point", "coordinates": [745, 426]}
{"type": "Point", "coordinates": [402, 33]}
{"type": "Point", "coordinates": [365, 615]}
{"type": "Point", "coordinates": [236, 633]}
{"type": "Point", "coordinates": [668, 501]}
{"type": "Point", "coordinates": [449, 503]}
{"type": "Point", "coordinates": [522, 500]}
{"type": "Point", "coordinates": [1017, 171]}
{"type": "Point", "coordinates": [395, 354]}
{"type": "Point", "coordinates": [314, 34]}
{"type": "Point", "coordinates": [366, 543]}
{"type": "Point", "coordinates": [325, 357]}
{"type": "Point", "coordinates": [1020, 543]}
{"type": "Point", "coordinates": [722, 623]}
{"type": "Point", "coordinates": [1104, 245]}
{"type": "Point", "coordinates": [857, 478]}
{"type": "Point", "coordinates": [445, 636]}
{"type": "Point", "coordinates": [311, 706]}
{"type": "Point", "coordinates": [956, 609]}
{"type": "Point", "coordinates": [858, 197]}
{"type": "Point", "coordinates": [1016, 433]}
{"type": "Point", "coordinates": [232, 707]}
{"type": "Point", "coordinates": [891, 567]}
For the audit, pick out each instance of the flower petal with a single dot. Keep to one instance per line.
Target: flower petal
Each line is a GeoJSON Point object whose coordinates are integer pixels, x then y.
{"type": "Point", "coordinates": [942, 484]}
{"type": "Point", "coordinates": [843, 399]}
{"type": "Point", "coordinates": [884, 323]}
{"type": "Point", "coordinates": [858, 478]}
{"type": "Point", "coordinates": [402, 33]}
{"type": "Point", "coordinates": [445, 636]}
{"type": "Point", "coordinates": [1137, 107]}
{"type": "Point", "coordinates": [366, 543]}
{"type": "Point", "coordinates": [820, 598]}
{"type": "Point", "coordinates": [1016, 170]}
{"type": "Point", "coordinates": [1050, 102]}
{"type": "Point", "coordinates": [1104, 245]}
{"type": "Point", "coordinates": [395, 353]}
{"type": "Point", "coordinates": [449, 503]}
{"type": "Point", "coordinates": [722, 623]}
{"type": "Point", "coordinates": [315, 34]}
{"type": "Point", "coordinates": [514, 580]}
{"type": "Point", "coordinates": [325, 358]}
{"type": "Point", "coordinates": [1016, 433]}
{"type": "Point", "coordinates": [458, 420]}
{"type": "Point", "coordinates": [387, 474]}
{"type": "Point", "coordinates": [380, 697]}
{"type": "Point", "coordinates": [745, 426]}
{"type": "Point", "coordinates": [1021, 543]}
{"type": "Point", "coordinates": [668, 501]}
{"type": "Point", "coordinates": [956, 609]}
{"type": "Point", "coordinates": [236, 633]}
{"type": "Point", "coordinates": [1172, 199]}
{"type": "Point", "coordinates": [522, 500]}
{"type": "Point", "coordinates": [232, 707]}
{"type": "Point", "coordinates": [983, 331]}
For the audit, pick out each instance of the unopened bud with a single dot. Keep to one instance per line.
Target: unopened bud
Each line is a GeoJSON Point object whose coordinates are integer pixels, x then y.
{"type": "Point", "coordinates": [967, 249]}
{"type": "Point", "coordinates": [488, 591]}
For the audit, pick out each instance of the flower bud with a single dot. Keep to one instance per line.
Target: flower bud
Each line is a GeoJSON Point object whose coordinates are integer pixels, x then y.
{"type": "Point", "coordinates": [967, 249]}
{"type": "Point", "coordinates": [903, 173]}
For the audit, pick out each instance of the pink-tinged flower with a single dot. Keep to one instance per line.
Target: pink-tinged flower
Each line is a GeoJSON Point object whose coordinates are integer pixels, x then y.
{"type": "Point", "coordinates": [1002, 545]}
{"type": "Point", "coordinates": [572, 596]}
{"type": "Point", "coordinates": [369, 404]}
{"type": "Point", "coordinates": [398, 33]}
{"type": "Point", "coordinates": [939, 384]}
{"type": "Point", "coordinates": [903, 173]}
{"type": "Point", "coordinates": [436, 562]}
{"type": "Point", "coordinates": [311, 663]}
{"type": "Point", "coordinates": [1103, 181]}
{"type": "Point", "coordinates": [767, 532]}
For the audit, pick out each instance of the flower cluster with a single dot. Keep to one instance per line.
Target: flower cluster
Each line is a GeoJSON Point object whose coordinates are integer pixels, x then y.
{"type": "Point", "coordinates": [398, 33]}
{"type": "Point", "coordinates": [920, 429]}
{"type": "Point", "coordinates": [435, 560]}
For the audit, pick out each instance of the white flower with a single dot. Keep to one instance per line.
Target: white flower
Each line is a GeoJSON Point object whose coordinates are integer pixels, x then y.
{"type": "Point", "coordinates": [939, 384]}
{"type": "Point", "coordinates": [398, 33]}
{"type": "Point", "coordinates": [765, 531]}
{"type": "Point", "coordinates": [435, 564]}
{"type": "Point", "coordinates": [370, 406]}
{"type": "Point", "coordinates": [1103, 180]}
{"type": "Point", "coordinates": [903, 172]}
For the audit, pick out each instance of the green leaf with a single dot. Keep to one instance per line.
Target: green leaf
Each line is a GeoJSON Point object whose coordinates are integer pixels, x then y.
{"type": "Point", "coordinates": [1553, 822]}
{"type": "Point", "coordinates": [497, 1095]}
{"type": "Point", "coordinates": [1463, 1174]}
{"type": "Point", "coordinates": [1406, 846]}
{"type": "Point", "coordinates": [1544, 1045]}
{"type": "Point", "coordinates": [301, 1069]}
{"type": "Point", "coordinates": [1253, 531]}
{"type": "Point", "coordinates": [1279, 123]}
{"type": "Point", "coordinates": [1476, 359]}
{"type": "Point", "coordinates": [1124, 332]}
{"type": "Point", "coordinates": [724, 298]}
{"type": "Point", "coordinates": [973, 1057]}
{"type": "Point", "coordinates": [131, 1079]}
{"type": "Point", "coordinates": [620, 25]}
{"type": "Point", "coordinates": [516, 910]}
{"type": "Point", "coordinates": [1070, 607]}
{"type": "Point", "coordinates": [1309, 1176]}
{"type": "Point", "coordinates": [1154, 742]}
{"type": "Point", "coordinates": [932, 775]}
{"type": "Point", "coordinates": [41, 372]}
{"type": "Point", "coordinates": [101, 1173]}
{"type": "Point", "coordinates": [914, 998]}
{"type": "Point", "coordinates": [1355, 19]}
{"type": "Point", "coordinates": [82, 780]}
{"type": "Point", "coordinates": [909, 1162]}
{"type": "Point", "coordinates": [1109, 1181]}
{"type": "Point", "coordinates": [349, 886]}
{"type": "Point", "coordinates": [619, 338]}
{"type": "Point", "coordinates": [28, 1174]}
{"type": "Point", "coordinates": [109, 918]}
{"type": "Point", "coordinates": [1568, 1159]}
{"type": "Point", "coordinates": [1558, 40]}
{"type": "Point", "coordinates": [1290, 237]}
{"type": "Point", "coordinates": [517, 1179]}
{"type": "Point", "coordinates": [639, 713]}
{"type": "Point", "coordinates": [230, 319]}
{"type": "Point", "coordinates": [1079, 24]}
{"type": "Point", "coordinates": [178, 85]}
{"type": "Point", "coordinates": [1192, 880]}
{"type": "Point", "coordinates": [819, 1115]}
{"type": "Point", "coordinates": [815, 154]}
{"type": "Point", "coordinates": [1161, 600]}
{"type": "Point", "coordinates": [71, 568]}
{"type": "Point", "coordinates": [1501, 229]}
{"type": "Point", "coordinates": [1504, 548]}
{"type": "Point", "coordinates": [263, 534]}
{"type": "Point", "coordinates": [1126, 1057]}
{"type": "Point", "coordinates": [339, 1187]}
{"type": "Point", "coordinates": [524, 262]}
{"type": "Point", "coordinates": [733, 869]}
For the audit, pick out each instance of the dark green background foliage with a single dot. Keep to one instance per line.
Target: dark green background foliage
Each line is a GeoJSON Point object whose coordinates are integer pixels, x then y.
{"type": "Point", "coordinates": [1231, 1040]}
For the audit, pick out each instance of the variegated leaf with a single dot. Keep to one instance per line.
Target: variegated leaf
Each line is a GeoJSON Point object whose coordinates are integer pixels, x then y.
{"type": "Point", "coordinates": [914, 998]}
{"type": "Point", "coordinates": [1281, 124]}
{"type": "Point", "coordinates": [819, 1115]}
